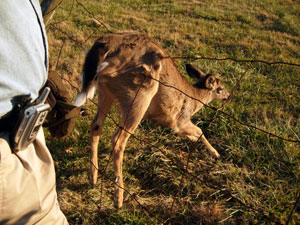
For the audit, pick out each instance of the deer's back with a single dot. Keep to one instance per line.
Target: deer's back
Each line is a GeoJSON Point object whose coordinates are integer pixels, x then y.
{"type": "Point", "coordinates": [130, 49]}
{"type": "Point", "coordinates": [127, 52]}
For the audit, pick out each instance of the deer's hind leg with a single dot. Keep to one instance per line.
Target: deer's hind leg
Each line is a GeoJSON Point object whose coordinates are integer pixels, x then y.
{"type": "Point", "coordinates": [104, 105]}
{"type": "Point", "coordinates": [132, 113]}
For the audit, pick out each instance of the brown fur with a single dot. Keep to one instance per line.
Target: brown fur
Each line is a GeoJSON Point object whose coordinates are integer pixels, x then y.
{"type": "Point", "coordinates": [129, 66]}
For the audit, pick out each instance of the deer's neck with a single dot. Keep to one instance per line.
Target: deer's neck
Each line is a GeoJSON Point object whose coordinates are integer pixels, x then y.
{"type": "Point", "coordinates": [200, 97]}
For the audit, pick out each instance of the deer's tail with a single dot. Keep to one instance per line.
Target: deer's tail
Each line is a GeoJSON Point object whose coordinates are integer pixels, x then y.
{"type": "Point", "coordinates": [93, 65]}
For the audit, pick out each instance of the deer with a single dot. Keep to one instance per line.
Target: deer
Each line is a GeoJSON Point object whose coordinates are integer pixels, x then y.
{"type": "Point", "coordinates": [134, 72]}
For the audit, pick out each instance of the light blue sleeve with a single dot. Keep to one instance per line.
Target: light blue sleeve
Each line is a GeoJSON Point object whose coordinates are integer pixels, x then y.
{"type": "Point", "coordinates": [23, 51]}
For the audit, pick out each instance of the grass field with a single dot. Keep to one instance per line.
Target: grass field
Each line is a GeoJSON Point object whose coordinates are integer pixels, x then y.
{"type": "Point", "coordinates": [167, 180]}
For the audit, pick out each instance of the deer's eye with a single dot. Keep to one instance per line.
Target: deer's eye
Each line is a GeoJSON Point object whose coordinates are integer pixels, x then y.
{"type": "Point", "coordinates": [219, 90]}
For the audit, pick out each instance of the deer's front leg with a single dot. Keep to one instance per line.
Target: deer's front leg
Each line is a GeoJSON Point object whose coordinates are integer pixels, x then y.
{"type": "Point", "coordinates": [194, 133]}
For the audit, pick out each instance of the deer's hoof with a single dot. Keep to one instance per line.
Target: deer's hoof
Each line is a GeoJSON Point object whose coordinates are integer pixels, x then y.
{"type": "Point", "coordinates": [216, 155]}
{"type": "Point", "coordinates": [118, 203]}
{"type": "Point", "coordinates": [92, 179]}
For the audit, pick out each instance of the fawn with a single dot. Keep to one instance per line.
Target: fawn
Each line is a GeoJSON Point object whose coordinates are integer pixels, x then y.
{"type": "Point", "coordinates": [136, 73]}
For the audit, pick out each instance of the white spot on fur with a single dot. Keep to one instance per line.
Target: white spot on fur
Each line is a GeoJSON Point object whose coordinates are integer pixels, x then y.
{"type": "Point", "coordinates": [104, 57]}
{"type": "Point", "coordinates": [83, 96]}
{"type": "Point", "coordinates": [160, 67]}
{"type": "Point", "coordinates": [91, 92]}
{"type": "Point", "coordinates": [102, 66]}
{"type": "Point", "coordinates": [80, 100]}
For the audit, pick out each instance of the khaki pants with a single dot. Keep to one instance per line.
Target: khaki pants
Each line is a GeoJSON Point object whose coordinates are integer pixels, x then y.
{"type": "Point", "coordinates": [27, 185]}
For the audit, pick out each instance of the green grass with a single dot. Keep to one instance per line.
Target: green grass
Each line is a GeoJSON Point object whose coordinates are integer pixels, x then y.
{"type": "Point", "coordinates": [257, 179]}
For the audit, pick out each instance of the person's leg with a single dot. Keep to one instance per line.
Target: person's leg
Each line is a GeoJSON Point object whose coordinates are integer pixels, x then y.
{"type": "Point", "coordinates": [27, 185]}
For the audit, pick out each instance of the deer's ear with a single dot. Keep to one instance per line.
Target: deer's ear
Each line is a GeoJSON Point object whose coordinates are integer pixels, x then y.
{"type": "Point", "coordinates": [195, 72]}
{"type": "Point", "coordinates": [210, 82]}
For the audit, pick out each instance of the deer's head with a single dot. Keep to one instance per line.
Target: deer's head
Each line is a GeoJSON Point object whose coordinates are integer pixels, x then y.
{"type": "Point", "coordinates": [209, 82]}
